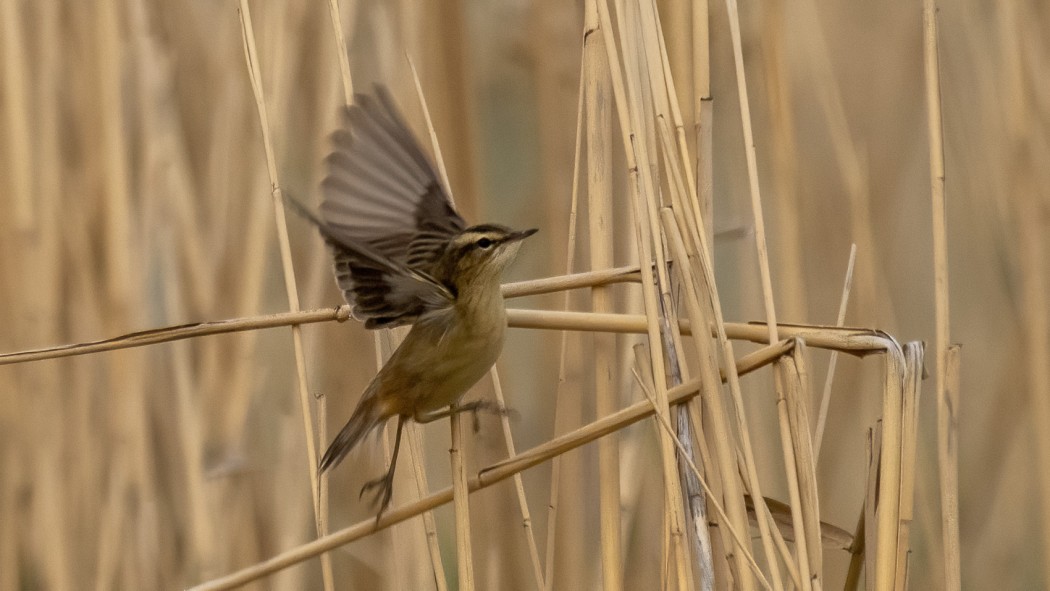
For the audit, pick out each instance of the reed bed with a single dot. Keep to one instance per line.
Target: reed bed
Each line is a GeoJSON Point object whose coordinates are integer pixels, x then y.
{"type": "Point", "coordinates": [723, 191]}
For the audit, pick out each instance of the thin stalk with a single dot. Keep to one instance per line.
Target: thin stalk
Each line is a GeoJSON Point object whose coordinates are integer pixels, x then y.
{"type": "Point", "coordinates": [913, 354]}
{"type": "Point", "coordinates": [291, 290]}
{"type": "Point", "coordinates": [597, 95]}
{"type": "Point", "coordinates": [559, 412]}
{"type": "Point", "coordinates": [947, 399]}
{"type": "Point", "coordinates": [825, 398]}
{"type": "Point", "coordinates": [460, 491]}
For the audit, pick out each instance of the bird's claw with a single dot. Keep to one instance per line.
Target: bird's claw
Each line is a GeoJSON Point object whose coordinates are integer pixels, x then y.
{"type": "Point", "coordinates": [478, 406]}
{"type": "Point", "coordinates": [382, 497]}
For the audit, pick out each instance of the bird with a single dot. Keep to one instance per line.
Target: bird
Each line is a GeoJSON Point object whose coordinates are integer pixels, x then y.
{"type": "Point", "coordinates": [403, 256]}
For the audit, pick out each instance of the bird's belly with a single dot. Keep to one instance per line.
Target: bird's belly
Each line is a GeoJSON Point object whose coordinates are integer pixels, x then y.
{"type": "Point", "coordinates": [458, 372]}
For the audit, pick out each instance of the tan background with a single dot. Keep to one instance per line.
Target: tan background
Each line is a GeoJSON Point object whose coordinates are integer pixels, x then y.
{"type": "Point", "coordinates": [134, 194]}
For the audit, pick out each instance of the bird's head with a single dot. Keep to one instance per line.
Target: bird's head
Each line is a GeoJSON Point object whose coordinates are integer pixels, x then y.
{"type": "Point", "coordinates": [481, 252]}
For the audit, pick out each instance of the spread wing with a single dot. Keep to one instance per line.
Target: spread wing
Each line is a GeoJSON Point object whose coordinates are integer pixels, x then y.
{"type": "Point", "coordinates": [385, 216]}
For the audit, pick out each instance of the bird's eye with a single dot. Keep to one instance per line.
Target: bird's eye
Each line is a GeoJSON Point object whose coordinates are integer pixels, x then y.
{"type": "Point", "coordinates": [483, 243]}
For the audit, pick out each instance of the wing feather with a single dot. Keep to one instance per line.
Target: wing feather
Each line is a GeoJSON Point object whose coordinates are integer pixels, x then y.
{"type": "Point", "coordinates": [385, 216]}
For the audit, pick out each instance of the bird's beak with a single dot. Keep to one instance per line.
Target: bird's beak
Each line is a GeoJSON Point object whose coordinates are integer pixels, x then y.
{"type": "Point", "coordinates": [516, 236]}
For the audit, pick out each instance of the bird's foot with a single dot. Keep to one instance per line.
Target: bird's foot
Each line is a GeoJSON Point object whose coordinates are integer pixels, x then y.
{"type": "Point", "coordinates": [383, 491]}
{"type": "Point", "coordinates": [478, 406]}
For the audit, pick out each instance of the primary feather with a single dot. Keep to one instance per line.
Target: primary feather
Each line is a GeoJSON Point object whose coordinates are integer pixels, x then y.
{"type": "Point", "coordinates": [385, 216]}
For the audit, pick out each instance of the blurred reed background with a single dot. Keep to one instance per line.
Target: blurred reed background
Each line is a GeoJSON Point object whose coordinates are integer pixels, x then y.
{"type": "Point", "coordinates": [136, 194]}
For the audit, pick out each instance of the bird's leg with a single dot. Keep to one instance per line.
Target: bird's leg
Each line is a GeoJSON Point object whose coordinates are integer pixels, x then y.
{"type": "Point", "coordinates": [474, 406]}
{"type": "Point", "coordinates": [385, 484]}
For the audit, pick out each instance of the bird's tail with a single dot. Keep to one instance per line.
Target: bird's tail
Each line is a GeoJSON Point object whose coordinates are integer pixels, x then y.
{"type": "Point", "coordinates": [367, 416]}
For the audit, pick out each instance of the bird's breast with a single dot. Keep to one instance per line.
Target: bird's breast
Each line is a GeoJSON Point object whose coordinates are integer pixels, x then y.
{"type": "Point", "coordinates": [439, 361]}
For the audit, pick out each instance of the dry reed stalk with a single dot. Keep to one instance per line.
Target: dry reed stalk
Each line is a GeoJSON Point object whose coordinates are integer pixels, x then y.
{"type": "Point", "coordinates": [341, 51]}
{"type": "Point", "coordinates": [386, 342]}
{"type": "Point", "coordinates": [415, 446]}
{"type": "Point", "coordinates": [825, 397]}
{"type": "Point", "coordinates": [949, 456]}
{"type": "Point", "coordinates": [763, 261]}
{"type": "Point", "coordinates": [752, 170]}
{"type": "Point", "coordinates": [634, 110]}
{"type": "Point", "coordinates": [595, 278]}
{"type": "Point", "coordinates": [871, 508]}
{"type": "Point", "coordinates": [701, 256]}
{"type": "Point", "coordinates": [460, 490]}
{"type": "Point", "coordinates": [799, 397]}
{"type": "Point", "coordinates": [597, 95]}
{"type": "Point", "coordinates": [855, 340]}
{"type": "Point", "coordinates": [887, 516]}
{"type": "Point", "coordinates": [708, 364]}
{"type": "Point", "coordinates": [947, 400]}
{"type": "Point", "coordinates": [913, 354]}
{"type": "Point", "coordinates": [783, 381]}
{"type": "Point", "coordinates": [671, 432]}
{"type": "Point", "coordinates": [291, 289]}
{"type": "Point", "coordinates": [680, 182]}
{"type": "Point", "coordinates": [559, 412]}
{"type": "Point", "coordinates": [703, 117]}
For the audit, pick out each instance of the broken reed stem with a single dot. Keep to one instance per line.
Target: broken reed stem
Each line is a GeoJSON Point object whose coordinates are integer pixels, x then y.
{"type": "Point", "coordinates": [255, 75]}
{"type": "Point", "coordinates": [947, 399]}
{"type": "Point", "coordinates": [485, 478]}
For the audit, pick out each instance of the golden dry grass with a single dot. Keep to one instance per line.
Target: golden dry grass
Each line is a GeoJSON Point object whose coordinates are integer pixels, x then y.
{"type": "Point", "coordinates": [137, 172]}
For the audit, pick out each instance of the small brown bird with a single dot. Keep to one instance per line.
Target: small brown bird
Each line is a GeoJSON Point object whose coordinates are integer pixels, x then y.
{"type": "Point", "coordinates": [404, 256]}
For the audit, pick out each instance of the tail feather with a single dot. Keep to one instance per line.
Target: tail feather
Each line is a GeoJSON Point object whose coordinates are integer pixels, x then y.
{"type": "Point", "coordinates": [367, 416]}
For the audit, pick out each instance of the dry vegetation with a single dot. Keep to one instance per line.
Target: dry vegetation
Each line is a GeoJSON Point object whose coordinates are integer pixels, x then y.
{"type": "Point", "coordinates": [145, 145]}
